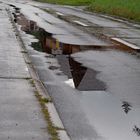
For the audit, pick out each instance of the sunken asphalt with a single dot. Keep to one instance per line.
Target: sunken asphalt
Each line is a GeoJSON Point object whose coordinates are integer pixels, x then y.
{"type": "Point", "coordinates": [109, 113]}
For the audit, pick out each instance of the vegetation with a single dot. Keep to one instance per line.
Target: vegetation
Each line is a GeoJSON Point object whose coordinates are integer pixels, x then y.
{"type": "Point", "coordinates": [51, 128]}
{"type": "Point", "coordinates": [124, 8]}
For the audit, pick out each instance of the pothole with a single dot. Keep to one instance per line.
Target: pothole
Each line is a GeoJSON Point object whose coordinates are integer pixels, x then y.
{"type": "Point", "coordinates": [83, 78]}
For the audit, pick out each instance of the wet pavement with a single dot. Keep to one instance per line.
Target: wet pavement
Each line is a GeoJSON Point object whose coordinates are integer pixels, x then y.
{"type": "Point", "coordinates": [111, 117]}
{"type": "Point", "coordinates": [95, 86]}
{"type": "Point", "coordinates": [59, 29]}
{"type": "Point", "coordinates": [97, 24]}
{"type": "Point", "coordinates": [81, 77]}
{"type": "Point", "coordinates": [20, 113]}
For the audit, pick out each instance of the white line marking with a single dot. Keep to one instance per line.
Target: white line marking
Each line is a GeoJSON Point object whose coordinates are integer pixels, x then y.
{"type": "Point", "coordinates": [80, 23]}
{"type": "Point", "coordinates": [126, 43]}
{"type": "Point", "coordinates": [58, 13]}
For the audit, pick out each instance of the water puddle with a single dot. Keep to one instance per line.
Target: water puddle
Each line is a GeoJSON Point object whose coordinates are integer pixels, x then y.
{"type": "Point", "coordinates": [83, 78]}
{"type": "Point", "coordinates": [113, 123]}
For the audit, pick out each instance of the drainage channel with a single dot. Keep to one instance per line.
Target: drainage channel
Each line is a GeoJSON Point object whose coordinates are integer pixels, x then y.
{"type": "Point", "coordinates": [83, 78]}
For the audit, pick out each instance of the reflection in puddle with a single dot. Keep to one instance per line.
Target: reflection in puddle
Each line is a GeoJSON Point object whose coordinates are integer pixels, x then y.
{"type": "Point", "coordinates": [126, 107]}
{"type": "Point", "coordinates": [83, 78]}
{"type": "Point", "coordinates": [103, 112]}
{"type": "Point", "coordinates": [136, 130]}
{"type": "Point", "coordinates": [53, 68]}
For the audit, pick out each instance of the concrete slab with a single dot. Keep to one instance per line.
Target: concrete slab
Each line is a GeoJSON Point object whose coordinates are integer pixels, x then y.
{"type": "Point", "coordinates": [21, 116]}
{"type": "Point", "coordinates": [11, 60]}
{"type": "Point", "coordinates": [11, 67]}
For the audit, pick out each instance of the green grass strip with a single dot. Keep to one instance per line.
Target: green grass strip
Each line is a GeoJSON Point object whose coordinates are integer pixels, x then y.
{"type": "Point", "coordinates": [129, 9]}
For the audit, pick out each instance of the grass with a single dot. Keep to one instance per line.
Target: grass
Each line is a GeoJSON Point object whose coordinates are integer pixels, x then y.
{"type": "Point", "coordinates": [129, 9]}
{"type": "Point", "coordinates": [32, 83]}
{"type": "Point", "coordinates": [51, 128]}
{"type": "Point", "coordinates": [24, 51]}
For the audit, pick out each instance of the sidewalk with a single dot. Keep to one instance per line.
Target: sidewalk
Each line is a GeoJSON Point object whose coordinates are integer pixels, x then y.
{"type": "Point", "coordinates": [20, 114]}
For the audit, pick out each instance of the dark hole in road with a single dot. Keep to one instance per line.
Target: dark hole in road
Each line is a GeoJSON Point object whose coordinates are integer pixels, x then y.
{"type": "Point", "coordinates": [83, 78]}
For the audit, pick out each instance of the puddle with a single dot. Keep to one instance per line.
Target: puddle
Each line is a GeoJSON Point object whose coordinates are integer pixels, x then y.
{"type": "Point", "coordinates": [106, 116]}
{"type": "Point", "coordinates": [83, 78]}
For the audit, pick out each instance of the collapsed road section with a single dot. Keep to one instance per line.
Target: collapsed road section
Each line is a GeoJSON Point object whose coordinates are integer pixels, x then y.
{"type": "Point", "coordinates": [94, 86]}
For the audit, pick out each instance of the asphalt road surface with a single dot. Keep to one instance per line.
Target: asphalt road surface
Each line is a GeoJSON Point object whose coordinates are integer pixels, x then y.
{"type": "Point", "coordinates": [109, 112]}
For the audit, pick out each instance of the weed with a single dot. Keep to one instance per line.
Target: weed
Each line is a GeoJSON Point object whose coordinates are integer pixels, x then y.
{"type": "Point", "coordinates": [59, 128]}
{"type": "Point", "coordinates": [51, 128]}
{"type": "Point", "coordinates": [46, 100]}
{"type": "Point", "coordinates": [28, 62]}
{"type": "Point", "coordinates": [32, 82]}
{"type": "Point", "coordinates": [23, 51]}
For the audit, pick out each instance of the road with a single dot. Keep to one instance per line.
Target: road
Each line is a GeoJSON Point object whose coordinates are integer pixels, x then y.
{"type": "Point", "coordinates": [93, 82]}
{"type": "Point", "coordinates": [99, 24]}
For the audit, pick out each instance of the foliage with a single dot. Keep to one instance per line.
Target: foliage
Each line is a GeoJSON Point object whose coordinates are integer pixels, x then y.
{"type": "Point", "coordinates": [124, 8]}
